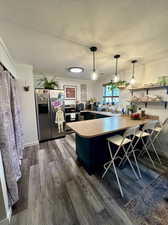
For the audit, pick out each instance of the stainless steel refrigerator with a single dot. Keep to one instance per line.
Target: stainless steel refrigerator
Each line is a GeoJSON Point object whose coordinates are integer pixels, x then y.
{"type": "Point", "coordinates": [47, 101]}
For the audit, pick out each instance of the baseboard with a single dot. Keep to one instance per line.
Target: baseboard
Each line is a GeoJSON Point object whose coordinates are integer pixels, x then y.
{"type": "Point", "coordinates": [51, 139]}
{"type": "Point", "coordinates": [31, 144]}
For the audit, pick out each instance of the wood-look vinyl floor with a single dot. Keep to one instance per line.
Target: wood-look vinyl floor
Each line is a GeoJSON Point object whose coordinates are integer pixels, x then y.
{"type": "Point", "coordinates": [55, 191]}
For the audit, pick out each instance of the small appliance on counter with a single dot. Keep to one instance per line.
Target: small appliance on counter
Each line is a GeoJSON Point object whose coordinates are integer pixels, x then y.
{"type": "Point", "coordinates": [79, 107]}
{"type": "Point", "coordinates": [71, 113]}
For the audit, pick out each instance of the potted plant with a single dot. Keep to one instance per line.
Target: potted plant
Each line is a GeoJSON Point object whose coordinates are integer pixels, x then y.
{"type": "Point", "coordinates": [92, 100]}
{"type": "Point", "coordinates": [49, 84]}
{"type": "Point", "coordinates": [120, 84]}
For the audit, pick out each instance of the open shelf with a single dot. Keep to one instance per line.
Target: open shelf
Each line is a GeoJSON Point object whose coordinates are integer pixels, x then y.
{"type": "Point", "coordinates": [147, 88]}
{"type": "Point", "coordinates": [151, 102]}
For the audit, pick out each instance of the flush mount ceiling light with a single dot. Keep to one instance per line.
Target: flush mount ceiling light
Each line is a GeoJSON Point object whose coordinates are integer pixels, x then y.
{"type": "Point", "coordinates": [133, 81]}
{"type": "Point", "coordinates": [94, 75]}
{"type": "Point", "coordinates": [76, 69]}
{"type": "Point", "coordinates": [116, 77]}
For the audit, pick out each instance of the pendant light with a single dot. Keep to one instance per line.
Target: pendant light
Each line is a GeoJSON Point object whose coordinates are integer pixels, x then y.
{"type": "Point", "coordinates": [133, 81]}
{"type": "Point", "coordinates": [116, 77]}
{"type": "Point", "coordinates": [94, 75]}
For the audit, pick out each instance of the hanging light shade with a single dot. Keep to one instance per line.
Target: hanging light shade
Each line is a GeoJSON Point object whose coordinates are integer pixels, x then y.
{"type": "Point", "coordinates": [94, 75]}
{"type": "Point", "coordinates": [133, 81]}
{"type": "Point", "coordinates": [116, 76]}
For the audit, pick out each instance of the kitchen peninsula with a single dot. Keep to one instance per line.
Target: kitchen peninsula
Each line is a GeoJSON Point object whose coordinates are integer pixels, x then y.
{"type": "Point", "coordinates": [91, 135]}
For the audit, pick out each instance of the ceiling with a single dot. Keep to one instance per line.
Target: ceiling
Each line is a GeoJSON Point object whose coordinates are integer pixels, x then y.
{"type": "Point", "coordinates": [56, 34]}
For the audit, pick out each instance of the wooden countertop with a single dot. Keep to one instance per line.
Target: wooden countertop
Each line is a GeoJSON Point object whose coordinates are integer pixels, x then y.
{"type": "Point", "coordinates": [98, 127]}
{"type": "Point", "coordinates": [103, 113]}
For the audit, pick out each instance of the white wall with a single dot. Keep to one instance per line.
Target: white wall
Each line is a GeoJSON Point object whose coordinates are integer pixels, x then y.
{"type": "Point", "coordinates": [155, 69]}
{"type": "Point", "coordinates": [92, 86]}
{"type": "Point", "coordinates": [6, 59]}
{"type": "Point", "coordinates": [25, 74]}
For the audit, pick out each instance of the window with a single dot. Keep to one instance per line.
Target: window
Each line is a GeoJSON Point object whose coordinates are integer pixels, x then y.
{"type": "Point", "coordinates": [110, 95]}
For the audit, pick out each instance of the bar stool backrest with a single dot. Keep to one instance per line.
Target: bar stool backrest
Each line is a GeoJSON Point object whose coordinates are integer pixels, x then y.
{"type": "Point", "coordinates": [131, 131]}
{"type": "Point", "coordinates": [165, 123]}
{"type": "Point", "coordinates": [150, 125]}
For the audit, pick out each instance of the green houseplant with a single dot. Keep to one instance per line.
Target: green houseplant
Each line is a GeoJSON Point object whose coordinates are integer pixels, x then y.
{"type": "Point", "coordinates": [49, 84]}
{"type": "Point", "coordinates": [120, 84]}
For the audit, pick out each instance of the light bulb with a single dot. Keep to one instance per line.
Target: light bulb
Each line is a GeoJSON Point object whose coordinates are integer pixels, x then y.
{"type": "Point", "coordinates": [94, 76]}
{"type": "Point", "coordinates": [132, 81]}
{"type": "Point", "coordinates": [116, 78]}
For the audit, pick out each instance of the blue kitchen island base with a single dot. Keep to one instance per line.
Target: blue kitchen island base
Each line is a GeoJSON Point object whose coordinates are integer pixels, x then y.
{"type": "Point", "coordinates": [92, 153]}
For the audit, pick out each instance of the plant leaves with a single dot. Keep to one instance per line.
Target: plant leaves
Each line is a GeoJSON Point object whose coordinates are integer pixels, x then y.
{"type": "Point", "coordinates": [49, 84]}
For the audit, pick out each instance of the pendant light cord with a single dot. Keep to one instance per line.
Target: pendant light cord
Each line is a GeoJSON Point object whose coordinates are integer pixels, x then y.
{"type": "Point", "coordinates": [94, 63]}
{"type": "Point", "coordinates": [116, 66]}
{"type": "Point", "coordinates": [93, 49]}
{"type": "Point", "coordinates": [133, 70]}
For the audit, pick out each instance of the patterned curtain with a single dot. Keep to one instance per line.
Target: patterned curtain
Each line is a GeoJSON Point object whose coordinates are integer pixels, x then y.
{"type": "Point", "coordinates": [16, 115]}
{"type": "Point", "coordinates": [10, 145]}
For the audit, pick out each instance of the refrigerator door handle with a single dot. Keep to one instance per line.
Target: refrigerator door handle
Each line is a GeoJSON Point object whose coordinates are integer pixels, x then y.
{"type": "Point", "coordinates": [49, 110]}
{"type": "Point", "coordinates": [50, 115]}
{"type": "Point", "coordinates": [49, 105]}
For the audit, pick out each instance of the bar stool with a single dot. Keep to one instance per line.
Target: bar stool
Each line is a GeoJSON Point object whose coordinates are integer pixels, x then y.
{"type": "Point", "coordinates": [147, 132]}
{"type": "Point", "coordinates": [121, 141]}
{"type": "Point", "coordinates": [158, 129]}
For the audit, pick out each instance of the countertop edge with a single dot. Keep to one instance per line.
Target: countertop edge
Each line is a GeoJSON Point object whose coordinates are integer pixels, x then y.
{"type": "Point", "coordinates": [103, 133]}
